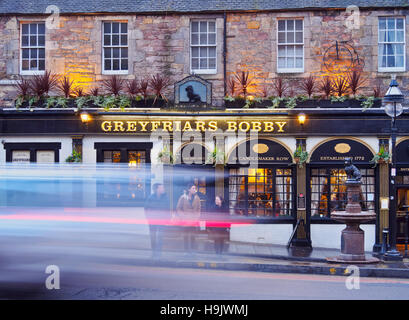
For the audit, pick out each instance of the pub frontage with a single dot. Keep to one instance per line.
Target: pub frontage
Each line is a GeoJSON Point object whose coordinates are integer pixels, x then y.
{"type": "Point", "coordinates": [258, 172]}
{"type": "Point", "coordinates": [258, 102]}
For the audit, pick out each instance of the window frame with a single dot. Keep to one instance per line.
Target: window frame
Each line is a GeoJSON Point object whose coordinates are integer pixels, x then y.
{"type": "Point", "coordinates": [274, 218]}
{"type": "Point", "coordinates": [291, 70]}
{"type": "Point", "coordinates": [31, 72]}
{"type": "Point", "coordinates": [113, 72]}
{"type": "Point", "coordinates": [317, 219]}
{"type": "Point", "coordinates": [202, 71]}
{"type": "Point", "coordinates": [392, 69]}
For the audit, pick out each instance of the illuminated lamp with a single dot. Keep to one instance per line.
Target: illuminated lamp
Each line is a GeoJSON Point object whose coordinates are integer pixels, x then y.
{"type": "Point", "coordinates": [301, 118]}
{"type": "Point", "coordinates": [85, 117]}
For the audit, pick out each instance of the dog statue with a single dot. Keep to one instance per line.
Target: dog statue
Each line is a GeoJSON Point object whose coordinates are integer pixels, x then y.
{"type": "Point", "coordinates": [353, 173]}
{"type": "Point", "coordinates": [193, 97]}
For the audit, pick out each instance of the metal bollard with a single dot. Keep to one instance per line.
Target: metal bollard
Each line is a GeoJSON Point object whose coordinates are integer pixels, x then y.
{"type": "Point", "coordinates": [384, 247]}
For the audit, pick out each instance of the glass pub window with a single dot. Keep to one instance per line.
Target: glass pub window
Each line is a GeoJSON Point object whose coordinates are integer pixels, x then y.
{"type": "Point", "coordinates": [261, 192]}
{"type": "Point", "coordinates": [115, 46]}
{"type": "Point", "coordinates": [328, 191]}
{"type": "Point", "coordinates": [290, 55]}
{"type": "Point", "coordinates": [203, 46]}
{"type": "Point", "coordinates": [391, 44]}
{"type": "Point", "coordinates": [33, 46]}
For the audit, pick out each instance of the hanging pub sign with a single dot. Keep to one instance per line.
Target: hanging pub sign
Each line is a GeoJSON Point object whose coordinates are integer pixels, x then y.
{"type": "Point", "coordinates": [193, 90]}
{"type": "Point", "coordinates": [260, 151]}
{"type": "Point", "coordinates": [339, 149]}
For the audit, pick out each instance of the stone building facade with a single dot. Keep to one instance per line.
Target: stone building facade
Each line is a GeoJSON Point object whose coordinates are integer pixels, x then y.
{"type": "Point", "coordinates": [271, 40]}
{"type": "Point", "coordinates": [160, 43]}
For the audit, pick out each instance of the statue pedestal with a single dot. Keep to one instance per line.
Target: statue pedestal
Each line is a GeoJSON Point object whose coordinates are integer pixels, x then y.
{"type": "Point", "coordinates": [352, 237]}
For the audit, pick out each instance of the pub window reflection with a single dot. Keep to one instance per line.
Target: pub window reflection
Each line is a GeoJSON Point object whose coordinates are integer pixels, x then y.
{"type": "Point", "coordinates": [118, 192]}
{"type": "Point", "coordinates": [112, 156]}
{"type": "Point", "coordinates": [328, 191]}
{"type": "Point", "coordinates": [261, 192]}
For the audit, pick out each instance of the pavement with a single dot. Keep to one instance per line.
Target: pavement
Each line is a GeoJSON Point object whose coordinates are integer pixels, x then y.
{"type": "Point", "coordinates": [32, 241]}
{"type": "Point", "coordinates": [264, 258]}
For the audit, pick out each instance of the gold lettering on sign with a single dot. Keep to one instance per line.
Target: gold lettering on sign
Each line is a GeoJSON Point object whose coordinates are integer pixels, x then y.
{"type": "Point", "coordinates": [119, 126]}
{"type": "Point", "coordinates": [106, 126]}
{"type": "Point", "coordinates": [212, 125]}
{"type": "Point", "coordinates": [143, 124]}
{"type": "Point", "coordinates": [256, 126]}
{"type": "Point", "coordinates": [199, 125]}
{"type": "Point", "coordinates": [187, 126]}
{"type": "Point", "coordinates": [177, 126]}
{"type": "Point", "coordinates": [131, 126]}
{"type": "Point", "coordinates": [231, 126]}
{"type": "Point", "coordinates": [167, 125]}
{"type": "Point", "coordinates": [247, 126]}
{"type": "Point", "coordinates": [155, 125]}
{"type": "Point", "coordinates": [281, 126]}
{"type": "Point", "coordinates": [268, 126]}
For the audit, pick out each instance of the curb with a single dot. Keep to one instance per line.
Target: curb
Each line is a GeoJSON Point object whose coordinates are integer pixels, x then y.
{"type": "Point", "coordinates": [335, 270]}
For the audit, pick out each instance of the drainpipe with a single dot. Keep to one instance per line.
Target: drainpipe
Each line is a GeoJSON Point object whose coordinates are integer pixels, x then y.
{"type": "Point", "coordinates": [225, 52]}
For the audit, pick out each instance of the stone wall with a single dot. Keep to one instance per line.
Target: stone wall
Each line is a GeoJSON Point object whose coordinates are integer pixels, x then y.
{"type": "Point", "coordinates": [252, 45]}
{"type": "Point", "coordinates": [160, 44]}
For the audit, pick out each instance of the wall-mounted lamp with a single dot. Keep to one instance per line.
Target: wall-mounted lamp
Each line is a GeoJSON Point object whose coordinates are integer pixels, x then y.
{"type": "Point", "coordinates": [301, 118]}
{"type": "Point", "coordinates": [85, 117]}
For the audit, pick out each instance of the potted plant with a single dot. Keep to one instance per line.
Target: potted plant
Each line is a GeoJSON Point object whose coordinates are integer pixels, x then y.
{"type": "Point", "coordinates": [300, 156]}
{"type": "Point", "coordinates": [74, 157]}
{"type": "Point", "coordinates": [166, 156]}
{"type": "Point", "coordinates": [217, 157]}
{"type": "Point", "coordinates": [381, 157]}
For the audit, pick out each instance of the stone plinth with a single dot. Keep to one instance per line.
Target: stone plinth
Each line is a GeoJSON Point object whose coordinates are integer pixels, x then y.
{"type": "Point", "coordinates": [352, 237]}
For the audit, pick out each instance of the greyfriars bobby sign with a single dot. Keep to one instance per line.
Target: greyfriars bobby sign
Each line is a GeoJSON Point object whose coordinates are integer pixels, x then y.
{"type": "Point", "coordinates": [193, 90]}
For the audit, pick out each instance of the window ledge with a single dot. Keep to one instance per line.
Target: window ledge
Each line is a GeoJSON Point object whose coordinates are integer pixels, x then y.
{"type": "Point", "coordinates": [391, 70]}
{"type": "Point", "coordinates": [301, 70]}
{"type": "Point", "coordinates": [207, 71]}
{"type": "Point", "coordinates": [32, 73]}
{"type": "Point", "coordinates": [7, 82]}
{"type": "Point", "coordinates": [121, 72]}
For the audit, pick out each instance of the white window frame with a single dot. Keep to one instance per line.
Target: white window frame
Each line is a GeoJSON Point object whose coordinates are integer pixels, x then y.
{"type": "Point", "coordinates": [394, 69]}
{"type": "Point", "coordinates": [292, 70]}
{"type": "Point", "coordinates": [113, 72]}
{"type": "Point", "coordinates": [202, 71]}
{"type": "Point", "coordinates": [31, 72]}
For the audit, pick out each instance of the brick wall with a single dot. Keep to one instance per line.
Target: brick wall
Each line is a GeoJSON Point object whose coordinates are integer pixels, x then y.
{"type": "Point", "coordinates": [160, 44]}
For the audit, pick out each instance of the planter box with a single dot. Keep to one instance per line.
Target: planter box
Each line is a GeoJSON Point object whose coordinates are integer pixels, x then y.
{"type": "Point", "coordinates": [310, 103]}
{"type": "Point", "coordinates": [237, 104]}
{"type": "Point", "coordinates": [148, 103]}
{"type": "Point", "coordinates": [71, 103]}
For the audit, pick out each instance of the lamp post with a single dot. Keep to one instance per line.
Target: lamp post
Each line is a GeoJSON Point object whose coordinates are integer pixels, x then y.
{"type": "Point", "coordinates": [392, 103]}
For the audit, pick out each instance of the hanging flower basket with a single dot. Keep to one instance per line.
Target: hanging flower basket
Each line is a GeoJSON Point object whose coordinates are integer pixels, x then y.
{"type": "Point", "coordinates": [300, 157]}
{"type": "Point", "coordinates": [166, 156]}
{"type": "Point", "coordinates": [217, 157]}
{"type": "Point", "coordinates": [381, 157]}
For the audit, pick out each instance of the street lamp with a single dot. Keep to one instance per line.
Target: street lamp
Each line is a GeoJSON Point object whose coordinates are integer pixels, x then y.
{"type": "Point", "coordinates": [392, 103]}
